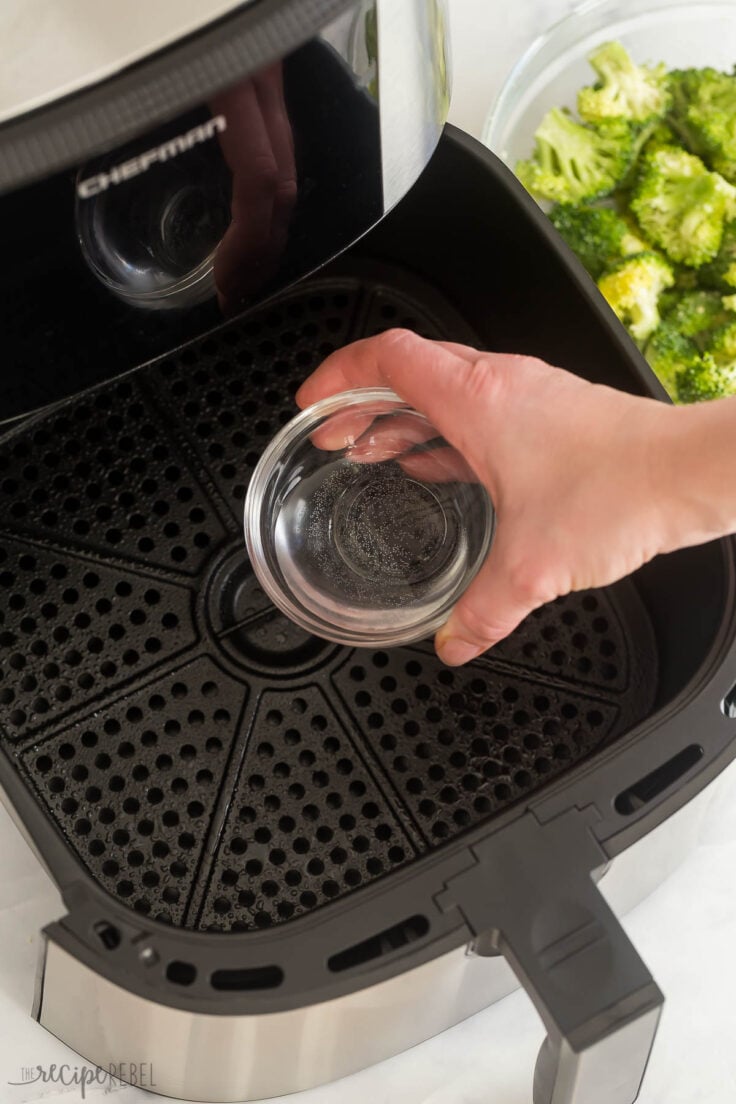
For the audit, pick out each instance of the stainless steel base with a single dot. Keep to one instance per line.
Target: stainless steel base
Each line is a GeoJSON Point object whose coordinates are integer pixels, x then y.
{"type": "Point", "coordinates": [228, 1058]}
{"type": "Point", "coordinates": [238, 1058]}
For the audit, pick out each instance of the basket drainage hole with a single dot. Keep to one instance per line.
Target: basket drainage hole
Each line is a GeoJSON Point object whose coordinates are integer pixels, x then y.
{"type": "Point", "coordinates": [108, 935]}
{"type": "Point", "coordinates": [181, 973]}
{"type": "Point", "coordinates": [392, 939]}
{"type": "Point", "coordinates": [652, 785]}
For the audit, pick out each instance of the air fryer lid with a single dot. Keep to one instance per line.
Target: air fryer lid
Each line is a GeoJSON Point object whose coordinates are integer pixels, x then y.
{"type": "Point", "coordinates": [204, 179]}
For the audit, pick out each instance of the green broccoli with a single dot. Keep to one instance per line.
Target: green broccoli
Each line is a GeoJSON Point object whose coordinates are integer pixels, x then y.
{"type": "Point", "coordinates": [624, 90]}
{"type": "Point", "coordinates": [669, 299]}
{"type": "Point", "coordinates": [687, 374]}
{"type": "Point", "coordinates": [573, 162]}
{"type": "Point", "coordinates": [598, 235]}
{"type": "Point", "coordinates": [686, 279]}
{"type": "Point", "coordinates": [682, 206]}
{"type": "Point", "coordinates": [707, 380]}
{"type": "Point", "coordinates": [669, 353]}
{"type": "Point", "coordinates": [693, 350]}
{"type": "Point", "coordinates": [684, 85]}
{"type": "Point", "coordinates": [633, 287]}
{"type": "Point", "coordinates": [704, 114]}
{"type": "Point", "coordinates": [696, 314]}
{"type": "Point", "coordinates": [722, 344]}
{"type": "Point", "coordinates": [661, 134]}
{"type": "Point", "coordinates": [663, 250]}
{"type": "Point", "coordinates": [720, 273]}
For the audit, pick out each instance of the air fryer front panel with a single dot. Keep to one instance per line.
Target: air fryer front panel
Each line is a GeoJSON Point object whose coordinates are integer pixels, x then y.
{"type": "Point", "coordinates": [130, 248]}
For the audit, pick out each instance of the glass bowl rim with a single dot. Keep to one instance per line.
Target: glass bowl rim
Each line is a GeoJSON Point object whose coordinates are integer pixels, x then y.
{"type": "Point", "coordinates": [265, 470]}
{"type": "Point", "coordinates": [503, 101]}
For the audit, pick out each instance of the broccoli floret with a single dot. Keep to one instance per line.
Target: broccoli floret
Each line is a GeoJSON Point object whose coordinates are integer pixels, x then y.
{"type": "Point", "coordinates": [684, 85]}
{"type": "Point", "coordinates": [693, 351]}
{"type": "Point", "coordinates": [686, 279]}
{"type": "Point", "coordinates": [704, 114]}
{"type": "Point", "coordinates": [687, 374]}
{"type": "Point", "coordinates": [633, 289]}
{"type": "Point", "coordinates": [661, 135]}
{"type": "Point", "coordinates": [721, 272]}
{"type": "Point", "coordinates": [706, 380]}
{"type": "Point", "coordinates": [598, 235]}
{"type": "Point", "coordinates": [696, 313]}
{"type": "Point", "coordinates": [669, 352]}
{"type": "Point", "coordinates": [722, 344]}
{"type": "Point", "coordinates": [668, 300]}
{"type": "Point", "coordinates": [624, 90]}
{"type": "Point", "coordinates": [573, 162]}
{"type": "Point", "coordinates": [682, 206]}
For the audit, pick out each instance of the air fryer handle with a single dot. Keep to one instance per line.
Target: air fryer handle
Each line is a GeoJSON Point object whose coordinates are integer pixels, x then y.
{"type": "Point", "coordinates": [531, 893]}
{"type": "Point", "coordinates": [596, 998]}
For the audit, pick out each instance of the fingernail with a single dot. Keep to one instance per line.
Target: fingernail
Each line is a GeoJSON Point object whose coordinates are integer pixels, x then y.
{"type": "Point", "coordinates": [454, 652]}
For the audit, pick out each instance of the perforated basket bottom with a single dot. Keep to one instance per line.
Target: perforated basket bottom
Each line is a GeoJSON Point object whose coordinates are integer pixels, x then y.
{"type": "Point", "coordinates": [207, 761]}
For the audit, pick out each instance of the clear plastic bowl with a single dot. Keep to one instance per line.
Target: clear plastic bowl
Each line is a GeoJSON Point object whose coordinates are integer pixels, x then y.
{"type": "Point", "coordinates": [362, 524]}
{"type": "Point", "coordinates": [682, 34]}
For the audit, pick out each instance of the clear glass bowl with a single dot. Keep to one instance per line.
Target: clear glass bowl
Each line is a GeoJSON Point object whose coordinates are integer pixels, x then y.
{"type": "Point", "coordinates": [362, 524]}
{"type": "Point", "coordinates": [681, 33]}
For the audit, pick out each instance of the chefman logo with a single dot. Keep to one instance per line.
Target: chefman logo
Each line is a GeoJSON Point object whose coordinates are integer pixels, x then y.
{"type": "Point", "coordinates": [93, 185]}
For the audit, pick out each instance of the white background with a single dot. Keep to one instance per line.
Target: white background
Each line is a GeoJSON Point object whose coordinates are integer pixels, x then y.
{"type": "Point", "coordinates": [686, 931]}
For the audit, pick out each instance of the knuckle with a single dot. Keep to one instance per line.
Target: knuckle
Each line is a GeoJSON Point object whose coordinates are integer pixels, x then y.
{"type": "Point", "coordinates": [485, 381]}
{"type": "Point", "coordinates": [479, 380]}
{"type": "Point", "coordinates": [480, 626]}
{"type": "Point", "coordinates": [397, 337]}
{"type": "Point", "coordinates": [528, 583]}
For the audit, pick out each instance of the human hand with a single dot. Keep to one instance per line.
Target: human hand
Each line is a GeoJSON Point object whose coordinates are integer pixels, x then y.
{"type": "Point", "coordinates": [573, 470]}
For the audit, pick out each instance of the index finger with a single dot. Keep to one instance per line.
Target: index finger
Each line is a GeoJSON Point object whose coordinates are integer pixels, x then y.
{"type": "Point", "coordinates": [365, 363]}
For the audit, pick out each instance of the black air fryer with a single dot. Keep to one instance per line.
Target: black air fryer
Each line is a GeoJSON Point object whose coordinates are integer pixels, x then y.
{"type": "Point", "coordinates": [282, 860]}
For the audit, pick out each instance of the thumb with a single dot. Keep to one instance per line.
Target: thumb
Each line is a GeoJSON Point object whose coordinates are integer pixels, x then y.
{"type": "Point", "coordinates": [494, 604]}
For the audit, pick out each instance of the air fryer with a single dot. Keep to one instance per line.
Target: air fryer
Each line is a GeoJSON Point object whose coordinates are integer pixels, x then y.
{"type": "Point", "coordinates": [281, 859]}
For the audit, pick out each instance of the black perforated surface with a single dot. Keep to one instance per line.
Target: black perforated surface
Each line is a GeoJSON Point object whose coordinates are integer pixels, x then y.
{"type": "Point", "coordinates": [209, 763]}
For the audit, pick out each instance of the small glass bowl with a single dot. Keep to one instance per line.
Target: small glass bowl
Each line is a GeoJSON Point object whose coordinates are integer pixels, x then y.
{"type": "Point", "coordinates": [680, 33]}
{"type": "Point", "coordinates": [362, 524]}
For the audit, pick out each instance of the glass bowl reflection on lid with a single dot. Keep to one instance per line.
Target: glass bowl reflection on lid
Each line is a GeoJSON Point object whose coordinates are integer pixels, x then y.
{"type": "Point", "coordinates": [362, 524]}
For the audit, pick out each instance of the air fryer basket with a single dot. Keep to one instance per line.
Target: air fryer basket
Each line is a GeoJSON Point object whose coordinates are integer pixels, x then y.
{"type": "Point", "coordinates": [276, 820]}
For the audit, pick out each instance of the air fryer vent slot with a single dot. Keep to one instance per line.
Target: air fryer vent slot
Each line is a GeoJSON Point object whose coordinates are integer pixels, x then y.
{"type": "Point", "coordinates": [384, 943]}
{"type": "Point", "coordinates": [659, 780]}
{"type": "Point", "coordinates": [248, 979]}
{"type": "Point", "coordinates": [210, 765]}
{"type": "Point", "coordinates": [181, 973]}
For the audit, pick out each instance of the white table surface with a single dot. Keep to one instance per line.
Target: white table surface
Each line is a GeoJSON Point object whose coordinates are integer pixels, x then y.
{"type": "Point", "coordinates": [686, 931]}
